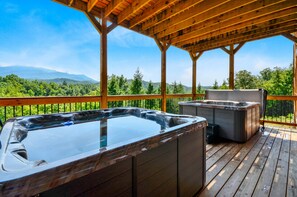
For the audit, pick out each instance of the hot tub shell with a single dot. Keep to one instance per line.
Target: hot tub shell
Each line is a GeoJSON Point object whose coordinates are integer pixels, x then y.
{"type": "Point", "coordinates": [237, 112]}
{"type": "Point", "coordinates": [160, 164]}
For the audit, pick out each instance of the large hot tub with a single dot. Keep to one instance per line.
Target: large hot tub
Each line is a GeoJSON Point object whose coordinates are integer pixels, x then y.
{"type": "Point", "coordinates": [236, 112]}
{"type": "Point", "coordinates": [114, 152]}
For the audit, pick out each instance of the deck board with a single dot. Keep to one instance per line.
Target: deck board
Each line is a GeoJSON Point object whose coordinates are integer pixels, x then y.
{"type": "Point", "coordinates": [266, 165]}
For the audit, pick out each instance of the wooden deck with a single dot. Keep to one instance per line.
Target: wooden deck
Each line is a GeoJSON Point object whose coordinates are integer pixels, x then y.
{"type": "Point", "coordinates": [266, 165]}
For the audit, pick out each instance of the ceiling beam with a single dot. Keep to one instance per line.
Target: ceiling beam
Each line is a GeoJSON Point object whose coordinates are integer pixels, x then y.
{"type": "Point", "coordinates": [179, 7]}
{"type": "Point", "coordinates": [113, 4]}
{"type": "Point", "coordinates": [235, 24]}
{"type": "Point", "coordinates": [237, 15]}
{"type": "Point", "coordinates": [91, 4]}
{"type": "Point", "coordinates": [200, 8]}
{"type": "Point", "coordinates": [245, 31]}
{"type": "Point", "coordinates": [134, 7]}
{"type": "Point", "coordinates": [151, 11]}
{"type": "Point", "coordinates": [290, 37]}
{"type": "Point", "coordinates": [249, 36]}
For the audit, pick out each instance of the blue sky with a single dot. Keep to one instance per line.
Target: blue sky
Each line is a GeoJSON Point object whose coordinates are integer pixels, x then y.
{"type": "Point", "coordinates": [46, 34]}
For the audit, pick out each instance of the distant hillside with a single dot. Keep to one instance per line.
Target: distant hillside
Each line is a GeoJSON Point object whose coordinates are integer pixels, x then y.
{"type": "Point", "coordinates": [68, 81]}
{"type": "Point", "coordinates": [27, 72]}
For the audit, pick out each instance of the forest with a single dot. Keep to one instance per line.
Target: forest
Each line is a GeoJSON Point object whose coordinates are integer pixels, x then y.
{"type": "Point", "coordinates": [277, 81]}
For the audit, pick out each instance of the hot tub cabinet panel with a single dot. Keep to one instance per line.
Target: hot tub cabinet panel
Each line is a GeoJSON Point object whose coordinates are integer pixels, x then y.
{"type": "Point", "coordinates": [167, 162]}
{"type": "Point", "coordinates": [116, 178]}
{"type": "Point", "coordinates": [237, 122]}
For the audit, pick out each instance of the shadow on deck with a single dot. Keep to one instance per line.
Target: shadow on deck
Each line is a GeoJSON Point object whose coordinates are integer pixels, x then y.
{"type": "Point", "coordinates": [263, 166]}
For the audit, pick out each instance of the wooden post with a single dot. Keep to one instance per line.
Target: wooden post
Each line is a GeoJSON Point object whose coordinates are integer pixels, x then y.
{"type": "Point", "coordinates": [231, 53]}
{"type": "Point", "coordinates": [103, 62]}
{"type": "Point", "coordinates": [295, 76]}
{"type": "Point", "coordinates": [163, 48]}
{"type": "Point", "coordinates": [194, 57]}
{"type": "Point", "coordinates": [103, 31]}
{"type": "Point", "coordinates": [231, 67]}
{"type": "Point", "coordinates": [293, 37]}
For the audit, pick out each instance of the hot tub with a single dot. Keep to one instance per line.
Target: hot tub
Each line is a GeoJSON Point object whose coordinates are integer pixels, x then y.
{"type": "Point", "coordinates": [120, 151]}
{"type": "Point", "coordinates": [237, 112]}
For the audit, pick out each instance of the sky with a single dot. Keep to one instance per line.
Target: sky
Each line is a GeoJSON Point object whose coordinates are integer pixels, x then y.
{"type": "Point", "coordinates": [42, 33]}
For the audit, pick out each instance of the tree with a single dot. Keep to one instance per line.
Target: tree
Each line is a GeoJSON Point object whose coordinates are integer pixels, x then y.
{"type": "Point", "coordinates": [245, 80]}
{"type": "Point", "coordinates": [215, 85]}
{"type": "Point", "coordinates": [224, 85]}
{"type": "Point", "coordinates": [136, 84]}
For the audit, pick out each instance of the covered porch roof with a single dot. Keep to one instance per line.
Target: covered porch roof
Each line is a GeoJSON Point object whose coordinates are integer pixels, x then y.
{"type": "Point", "coordinates": [197, 25]}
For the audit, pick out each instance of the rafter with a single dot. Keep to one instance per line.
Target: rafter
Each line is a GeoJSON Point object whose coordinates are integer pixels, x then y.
{"type": "Point", "coordinates": [200, 8]}
{"type": "Point", "coordinates": [240, 14]}
{"type": "Point", "coordinates": [159, 6]}
{"type": "Point", "coordinates": [179, 7]}
{"type": "Point", "coordinates": [248, 36]}
{"type": "Point", "coordinates": [290, 37]}
{"type": "Point", "coordinates": [112, 6]}
{"type": "Point", "coordinates": [132, 8]}
{"type": "Point", "coordinates": [91, 4]}
{"type": "Point", "coordinates": [249, 19]}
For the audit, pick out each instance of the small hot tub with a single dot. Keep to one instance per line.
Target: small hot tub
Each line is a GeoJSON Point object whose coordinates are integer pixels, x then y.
{"type": "Point", "coordinates": [237, 112]}
{"type": "Point", "coordinates": [120, 151]}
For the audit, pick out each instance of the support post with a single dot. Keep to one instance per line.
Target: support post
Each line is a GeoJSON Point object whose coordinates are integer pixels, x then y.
{"type": "Point", "coordinates": [231, 67]}
{"type": "Point", "coordinates": [194, 57]}
{"type": "Point", "coordinates": [103, 62]}
{"type": "Point", "coordinates": [163, 48]}
{"type": "Point", "coordinates": [232, 51]}
{"type": "Point", "coordinates": [103, 31]}
{"type": "Point", "coordinates": [295, 76]}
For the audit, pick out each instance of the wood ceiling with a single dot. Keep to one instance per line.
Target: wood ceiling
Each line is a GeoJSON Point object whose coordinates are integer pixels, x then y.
{"type": "Point", "coordinates": [197, 25]}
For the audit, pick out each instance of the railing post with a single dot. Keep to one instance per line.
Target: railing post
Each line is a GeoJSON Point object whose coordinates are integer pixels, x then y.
{"type": "Point", "coordinates": [103, 31]}
{"type": "Point", "coordinates": [194, 57]}
{"type": "Point", "coordinates": [163, 48]}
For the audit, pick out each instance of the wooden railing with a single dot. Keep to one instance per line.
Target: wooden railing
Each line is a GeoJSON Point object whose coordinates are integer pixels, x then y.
{"type": "Point", "coordinates": [14, 107]}
{"type": "Point", "coordinates": [279, 110]}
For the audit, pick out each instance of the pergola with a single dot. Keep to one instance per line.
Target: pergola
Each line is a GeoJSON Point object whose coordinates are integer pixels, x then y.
{"type": "Point", "coordinates": [192, 25]}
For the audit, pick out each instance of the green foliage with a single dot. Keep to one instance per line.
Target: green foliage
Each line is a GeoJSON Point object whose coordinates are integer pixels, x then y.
{"type": "Point", "coordinates": [215, 85]}
{"type": "Point", "coordinates": [245, 80]}
{"type": "Point", "coordinates": [136, 84]}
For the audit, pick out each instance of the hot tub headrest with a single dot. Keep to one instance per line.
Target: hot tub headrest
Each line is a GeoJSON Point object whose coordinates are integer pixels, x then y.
{"type": "Point", "coordinates": [250, 95]}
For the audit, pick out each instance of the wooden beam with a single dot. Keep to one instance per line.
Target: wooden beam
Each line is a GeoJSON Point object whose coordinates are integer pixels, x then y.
{"type": "Point", "coordinates": [250, 37]}
{"type": "Point", "coordinates": [290, 37]}
{"type": "Point", "coordinates": [111, 27]}
{"type": "Point", "coordinates": [103, 63]}
{"type": "Point", "coordinates": [113, 4]}
{"type": "Point", "coordinates": [246, 34]}
{"type": "Point", "coordinates": [231, 67]}
{"type": "Point", "coordinates": [238, 47]}
{"type": "Point", "coordinates": [151, 11]}
{"type": "Point", "coordinates": [226, 50]}
{"type": "Point", "coordinates": [134, 7]}
{"type": "Point", "coordinates": [70, 2]}
{"type": "Point", "coordinates": [200, 8]}
{"type": "Point", "coordinates": [295, 77]}
{"type": "Point", "coordinates": [94, 22]}
{"type": "Point", "coordinates": [194, 57]}
{"type": "Point", "coordinates": [163, 48]}
{"type": "Point", "coordinates": [177, 8]}
{"type": "Point", "coordinates": [91, 4]}
{"type": "Point", "coordinates": [244, 31]}
{"type": "Point", "coordinates": [241, 17]}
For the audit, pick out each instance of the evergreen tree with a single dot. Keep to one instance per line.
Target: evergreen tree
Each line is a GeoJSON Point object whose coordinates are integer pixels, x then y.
{"type": "Point", "coordinates": [215, 85]}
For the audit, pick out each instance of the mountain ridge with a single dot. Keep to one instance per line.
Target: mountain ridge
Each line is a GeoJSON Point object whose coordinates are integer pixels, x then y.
{"type": "Point", "coordinates": [43, 74]}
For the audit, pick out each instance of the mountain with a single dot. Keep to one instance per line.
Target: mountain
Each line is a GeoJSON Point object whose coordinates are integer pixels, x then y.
{"type": "Point", "coordinates": [27, 72]}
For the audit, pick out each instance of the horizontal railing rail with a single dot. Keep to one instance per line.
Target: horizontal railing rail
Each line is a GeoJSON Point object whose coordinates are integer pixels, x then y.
{"type": "Point", "coordinates": [279, 109]}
